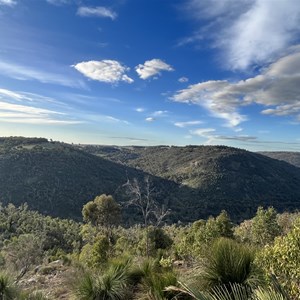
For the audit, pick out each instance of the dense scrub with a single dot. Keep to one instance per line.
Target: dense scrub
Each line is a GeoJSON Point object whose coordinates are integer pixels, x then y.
{"type": "Point", "coordinates": [207, 259]}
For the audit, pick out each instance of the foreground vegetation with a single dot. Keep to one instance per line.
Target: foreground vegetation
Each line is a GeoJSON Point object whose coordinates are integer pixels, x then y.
{"type": "Point", "coordinates": [213, 259]}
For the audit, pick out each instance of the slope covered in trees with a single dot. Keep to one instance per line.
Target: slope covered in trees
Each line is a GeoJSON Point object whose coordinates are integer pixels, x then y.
{"type": "Point", "coordinates": [194, 181]}
{"type": "Point", "coordinates": [292, 158]}
{"type": "Point", "coordinates": [57, 178]}
{"type": "Point", "coordinates": [216, 177]}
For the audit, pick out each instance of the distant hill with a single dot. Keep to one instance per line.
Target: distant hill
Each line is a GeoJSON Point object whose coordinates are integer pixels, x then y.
{"type": "Point", "coordinates": [193, 181]}
{"type": "Point", "coordinates": [58, 179]}
{"type": "Point", "coordinates": [292, 158]}
{"type": "Point", "coordinates": [216, 177]}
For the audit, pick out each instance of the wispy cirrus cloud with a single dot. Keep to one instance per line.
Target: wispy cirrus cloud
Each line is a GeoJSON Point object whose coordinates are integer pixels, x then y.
{"type": "Point", "coordinates": [133, 139]}
{"type": "Point", "coordinates": [108, 71]}
{"type": "Point", "coordinates": [245, 31]}
{"type": "Point", "coordinates": [276, 88]}
{"type": "Point", "coordinates": [20, 107]}
{"type": "Point", "coordinates": [24, 72]}
{"type": "Point", "coordinates": [212, 137]}
{"type": "Point", "coordinates": [160, 113]}
{"type": "Point", "coordinates": [188, 123]}
{"type": "Point", "coordinates": [152, 67]}
{"type": "Point", "coordinates": [59, 2]}
{"type": "Point", "coordinates": [8, 2]}
{"type": "Point", "coordinates": [203, 132]}
{"type": "Point", "coordinates": [99, 11]}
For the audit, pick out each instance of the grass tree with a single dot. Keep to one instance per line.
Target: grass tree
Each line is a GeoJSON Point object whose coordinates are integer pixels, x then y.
{"type": "Point", "coordinates": [8, 290]}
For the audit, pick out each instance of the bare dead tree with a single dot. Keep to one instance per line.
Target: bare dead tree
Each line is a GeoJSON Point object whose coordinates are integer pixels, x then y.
{"type": "Point", "coordinates": [143, 196]}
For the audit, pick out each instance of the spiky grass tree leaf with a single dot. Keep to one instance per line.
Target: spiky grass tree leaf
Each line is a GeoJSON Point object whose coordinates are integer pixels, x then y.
{"type": "Point", "coordinates": [85, 289]}
{"type": "Point", "coordinates": [229, 263]}
{"type": "Point", "coordinates": [112, 285]}
{"type": "Point", "coordinates": [36, 295]}
{"type": "Point", "coordinates": [192, 291]}
{"type": "Point", "coordinates": [231, 292]}
{"type": "Point", "coordinates": [8, 290]}
{"type": "Point", "coordinates": [268, 294]}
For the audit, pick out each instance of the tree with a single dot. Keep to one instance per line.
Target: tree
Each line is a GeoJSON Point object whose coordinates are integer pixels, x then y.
{"type": "Point", "coordinates": [283, 260]}
{"type": "Point", "coordinates": [143, 196]}
{"type": "Point", "coordinates": [103, 211]}
{"type": "Point", "coordinates": [22, 252]}
{"type": "Point", "coordinates": [264, 226]}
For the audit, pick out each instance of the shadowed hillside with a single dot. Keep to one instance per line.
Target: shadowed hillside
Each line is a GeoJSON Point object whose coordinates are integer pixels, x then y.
{"type": "Point", "coordinates": [58, 179]}
{"type": "Point", "coordinates": [292, 158]}
{"type": "Point", "coordinates": [193, 181]}
{"type": "Point", "coordinates": [218, 177]}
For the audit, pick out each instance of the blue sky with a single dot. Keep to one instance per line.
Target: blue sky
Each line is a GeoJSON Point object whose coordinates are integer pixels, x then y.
{"type": "Point", "coordinates": [152, 72]}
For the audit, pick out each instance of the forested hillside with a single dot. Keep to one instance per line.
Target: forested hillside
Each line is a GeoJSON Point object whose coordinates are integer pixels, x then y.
{"type": "Point", "coordinates": [218, 177]}
{"type": "Point", "coordinates": [194, 181]}
{"type": "Point", "coordinates": [292, 158]}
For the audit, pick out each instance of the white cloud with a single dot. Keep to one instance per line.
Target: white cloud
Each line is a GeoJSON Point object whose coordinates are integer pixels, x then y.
{"type": "Point", "coordinates": [27, 109]}
{"type": "Point", "coordinates": [8, 2]}
{"type": "Point", "coordinates": [22, 72]}
{"type": "Point", "coordinates": [212, 138]}
{"type": "Point", "coordinates": [183, 79]}
{"type": "Point", "coordinates": [150, 119]}
{"type": "Point", "coordinates": [211, 95]}
{"type": "Point", "coordinates": [151, 68]}
{"type": "Point", "coordinates": [249, 32]}
{"type": "Point", "coordinates": [203, 132]}
{"type": "Point", "coordinates": [59, 2]}
{"type": "Point", "coordinates": [277, 88]}
{"type": "Point", "coordinates": [99, 11]}
{"type": "Point", "coordinates": [188, 123]}
{"type": "Point", "coordinates": [160, 113]}
{"type": "Point", "coordinates": [115, 120]}
{"type": "Point", "coordinates": [140, 109]}
{"type": "Point", "coordinates": [109, 71]}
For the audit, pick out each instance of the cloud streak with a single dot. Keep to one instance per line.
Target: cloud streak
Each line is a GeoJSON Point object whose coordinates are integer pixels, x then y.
{"type": "Point", "coordinates": [25, 110]}
{"type": "Point", "coordinates": [99, 11]}
{"type": "Point", "coordinates": [245, 30]}
{"type": "Point", "coordinates": [22, 72]}
{"type": "Point", "coordinates": [187, 124]}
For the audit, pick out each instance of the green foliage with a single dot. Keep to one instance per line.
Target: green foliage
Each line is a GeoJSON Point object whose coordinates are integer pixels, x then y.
{"type": "Point", "coordinates": [194, 240]}
{"type": "Point", "coordinates": [36, 295]}
{"type": "Point", "coordinates": [158, 239]}
{"type": "Point", "coordinates": [153, 281]}
{"type": "Point", "coordinates": [283, 259]}
{"type": "Point", "coordinates": [260, 230]}
{"type": "Point", "coordinates": [95, 255]}
{"type": "Point", "coordinates": [8, 290]}
{"type": "Point", "coordinates": [264, 226]}
{"type": "Point", "coordinates": [237, 292]}
{"type": "Point", "coordinates": [102, 211]}
{"type": "Point", "coordinates": [22, 252]}
{"type": "Point", "coordinates": [229, 262]}
{"type": "Point", "coordinates": [54, 232]}
{"type": "Point", "coordinates": [112, 285]}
